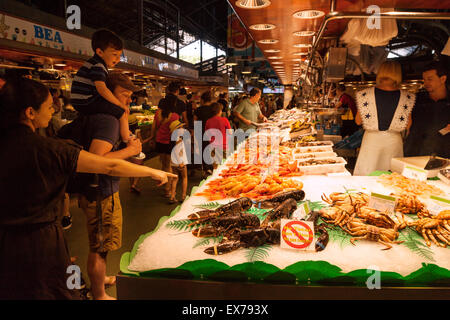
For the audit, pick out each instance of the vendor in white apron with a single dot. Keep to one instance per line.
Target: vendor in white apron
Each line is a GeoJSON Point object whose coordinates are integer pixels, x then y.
{"type": "Point", "coordinates": [384, 112]}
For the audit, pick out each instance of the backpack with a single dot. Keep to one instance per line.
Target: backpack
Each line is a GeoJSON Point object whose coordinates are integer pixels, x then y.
{"type": "Point", "coordinates": [78, 131]}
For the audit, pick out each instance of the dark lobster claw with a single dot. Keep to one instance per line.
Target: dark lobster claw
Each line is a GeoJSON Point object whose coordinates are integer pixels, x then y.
{"type": "Point", "coordinates": [224, 247]}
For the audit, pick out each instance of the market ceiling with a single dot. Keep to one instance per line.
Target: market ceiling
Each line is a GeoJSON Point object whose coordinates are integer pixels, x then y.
{"type": "Point", "coordinates": [289, 26]}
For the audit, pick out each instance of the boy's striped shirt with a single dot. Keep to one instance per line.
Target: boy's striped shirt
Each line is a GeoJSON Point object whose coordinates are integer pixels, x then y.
{"type": "Point", "coordinates": [83, 88]}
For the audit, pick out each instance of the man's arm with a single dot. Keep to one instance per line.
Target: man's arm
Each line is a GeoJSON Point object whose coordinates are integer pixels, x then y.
{"type": "Point", "coordinates": [240, 117]}
{"type": "Point", "coordinates": [103, 148]}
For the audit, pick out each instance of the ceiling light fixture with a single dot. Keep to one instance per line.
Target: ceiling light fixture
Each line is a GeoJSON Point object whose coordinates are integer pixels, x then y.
{"type": "Point", "coordinates": [268, 41]}
{"type": "Point", "coordinates": [302, 45]}
{"type": "Point", "coordinates": [277, 62]}
{"type": "Point", "coordinates": [272, 50]}
{"type": "Point", "coordinates": [275, 57]}
{"type": "Point", "coordinates": [252, 4]}
{"type": "Point", "coordinates": [303, 53]}
{"type": "Point", "coordinates": [304, 33]}
{"type": "Point", "coordinates": [231, 61]}
{"type": "Point", "coordinates": [262, 26]}
{"type": "Point", "coordinates": [308, 14]}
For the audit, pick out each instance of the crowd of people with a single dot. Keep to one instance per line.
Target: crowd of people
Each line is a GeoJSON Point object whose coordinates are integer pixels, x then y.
{"type": "Point", "coordinates": [34, 255]}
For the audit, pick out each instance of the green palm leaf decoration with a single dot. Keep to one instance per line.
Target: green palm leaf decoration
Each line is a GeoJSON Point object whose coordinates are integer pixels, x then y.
{"type": "Point", "coordinates": [206, 241]}
{"type": "Point", "coordinates": [415, 243]}
{"type": "Point", "coordinates": [180, 225]}
{"type": "Point", "coordinates": [258, 253]}
{"type": "Point", "coordinates": [209, 205]}
{"type": "Point", "coordinates": [257, 212]}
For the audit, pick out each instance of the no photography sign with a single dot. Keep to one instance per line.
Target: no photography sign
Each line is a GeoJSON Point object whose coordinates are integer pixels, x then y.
{"type": "Point", "coordinates": [297, 234]}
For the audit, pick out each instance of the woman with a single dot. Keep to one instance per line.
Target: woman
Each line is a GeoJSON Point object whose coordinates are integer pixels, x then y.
{"type": "Point", "coordinates": [384, 112]}
{"type": "Point", "coordinates": [160, 138]}
{"type": "Point", "coordinates": [34, 172]}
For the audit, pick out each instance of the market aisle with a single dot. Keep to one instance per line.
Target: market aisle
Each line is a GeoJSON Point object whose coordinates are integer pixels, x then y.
{"type": "Point", "coordinates": [141, 214]}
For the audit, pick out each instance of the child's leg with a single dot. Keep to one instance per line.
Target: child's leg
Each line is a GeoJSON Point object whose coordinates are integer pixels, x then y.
{"type": "Point", "coordinates": [173, 186]}
{"type": "Point", "coordinates": [124, 128]}
{"type": "Point", "coordinates": [101, 105]}
{"type": "Point", "coordinates": [184, 181]}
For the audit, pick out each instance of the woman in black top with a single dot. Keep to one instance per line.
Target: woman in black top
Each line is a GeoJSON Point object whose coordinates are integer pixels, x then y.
{"type": "Point", "coordinates": [34, 172]}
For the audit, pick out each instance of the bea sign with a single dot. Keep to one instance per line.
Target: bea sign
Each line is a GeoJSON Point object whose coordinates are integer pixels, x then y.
{"type": "Point", "coordinates": [47, 34]}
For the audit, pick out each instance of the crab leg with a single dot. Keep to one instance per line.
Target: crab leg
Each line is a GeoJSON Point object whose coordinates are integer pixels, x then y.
{"type": "Point", "coordinates": [357, 238]}
{"type": "Point", "coordinates": [441, 237]}
{"type": "Point", "coordinates": [431, 236]}
{"type": "Point", "coordinates": [386, 244]}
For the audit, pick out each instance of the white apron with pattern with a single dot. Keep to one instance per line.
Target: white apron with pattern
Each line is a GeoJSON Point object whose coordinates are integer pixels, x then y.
{"type": "Point", "coordinates": [379, 147]}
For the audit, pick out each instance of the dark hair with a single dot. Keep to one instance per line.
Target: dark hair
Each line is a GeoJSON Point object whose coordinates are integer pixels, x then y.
{"type": "Point", "coordinates": [182, 92]}
{"type": "Point", "coordinates": [103, 39]}
{"type": "Point", "coordinates": [254, 92]}
{"type": "Point", "coordinates": [216, 107]}
{"type": "Point", "coordinates": [16, 96]}
{"type": "Point", "coordinates": [341, 87]}
{"type": "Point", "coordinates": [189, 96]}
{"type": "Point", "coordinates": [441, 70]}
{"type": "Point", "coordinates": [206, 96]}
{"type": "Point", "coordinates": [168, 106]}
{"type": "Point", "coordinates": [173, 87]}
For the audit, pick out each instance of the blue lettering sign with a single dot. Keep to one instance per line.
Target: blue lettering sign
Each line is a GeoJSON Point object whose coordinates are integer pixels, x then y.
{"type": "Point", "coordinates": [57, 37]}
{"type": "Point", "coordinates": [47, 34]}
{"type": "Point", "coordinates": [38, 32]}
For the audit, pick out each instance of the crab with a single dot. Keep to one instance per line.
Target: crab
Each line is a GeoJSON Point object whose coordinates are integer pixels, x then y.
{"type": "Point", "coordinates": [376, 218]}
{"type": "Point", "coordinates": [357, 227]}
{"type": "Point", "coordinates": [338, 215]}
{"type": "Point", "coordinates": [409, 204]}
{"type": "Point", "coordinates": [338, 198]}
{"type": "Point", "coordinates": [434, 227]}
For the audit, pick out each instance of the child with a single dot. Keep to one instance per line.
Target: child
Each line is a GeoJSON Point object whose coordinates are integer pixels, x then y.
{"type": "Point", "coordinates": [89, 93]}
{"type": "Point", "coordinates": [222, 124]}
{"type": "Point", "coordinates": [178, 164]}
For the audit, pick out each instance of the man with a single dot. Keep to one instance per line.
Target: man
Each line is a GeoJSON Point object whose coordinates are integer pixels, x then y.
{"type": "Point", "coordinates": [345, 101]}
{"type": "Point", "coordinates": [173, 90]}
{"type": "Point", "coordinates": [105, 138]}
{"type": "Point", "coordinates": [223, 99]}
{"type": "Point", "coordinates": [248, 111]}
{"type": "Point", "coordinates": [430, 128]}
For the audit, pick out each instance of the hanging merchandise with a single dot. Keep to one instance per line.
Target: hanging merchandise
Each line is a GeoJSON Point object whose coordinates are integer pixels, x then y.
{"type": "Point", "coordinates": [446, 49]}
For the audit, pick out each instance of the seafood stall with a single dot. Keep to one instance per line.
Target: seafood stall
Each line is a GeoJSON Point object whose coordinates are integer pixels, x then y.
{"type": "Point", "coordinates": [290, 227]}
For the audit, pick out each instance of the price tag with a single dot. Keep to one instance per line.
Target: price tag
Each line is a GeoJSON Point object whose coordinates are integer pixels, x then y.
{"type": "Point", "coordinates": [382, 202]}
{"type": "Point", "coordinates": [297, 235]}
{"type": "Point", "coordinates": [302, 211]}
{"type": "Point", "coordinates": [438, 204]}
{"type": "Point", "coordinates": [415, 173]}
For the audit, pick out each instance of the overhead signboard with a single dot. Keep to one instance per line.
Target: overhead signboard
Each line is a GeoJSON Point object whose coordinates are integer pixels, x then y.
{"type": "Point", "coordinates": [21, 30]}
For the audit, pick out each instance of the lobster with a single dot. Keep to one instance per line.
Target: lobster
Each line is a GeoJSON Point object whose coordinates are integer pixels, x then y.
{"type": "Point", "coordinates": [322, 241]}
{"type": "Point", "coordinates": [247, 238]}
{"type": "Point", "coordinates": [276, 200]}
{"type": "Point", "coordinates": [230, 209]}
{"type": "Point", "coordinates": [283, 210]}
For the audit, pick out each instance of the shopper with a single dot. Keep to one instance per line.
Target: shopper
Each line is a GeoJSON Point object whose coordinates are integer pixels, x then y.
{"type": "Point", "coordinates": [223, 99]}
{"type": "Point", "coordinates": [248, 111]}
{"type": "Point", "coordinates": [34, 255]}
{"type": "Point", "coordinates": [345, 101]}
{"type": "Point", "coordinates": [221, 124]}
{"type": "Point", "coordinates": [89, 93]}
{"type": "Point", "coordinates": [178, 162]}
{"type": "Point", "coordinates": [430, 130]}
{"type": "Point", "coordinates": [171, 98]}
{"type": "Point", "coordinates": [202, 114]}
{"type": "Point", "coordinates": [160, 137]}
{"type": "Point", "coordinates": [384, 112]}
